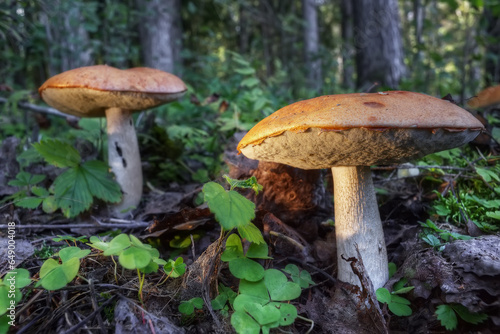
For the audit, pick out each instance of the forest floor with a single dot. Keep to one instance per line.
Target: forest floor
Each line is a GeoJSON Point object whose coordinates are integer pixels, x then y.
{"type": "Point", "coordinates": [294, 212]}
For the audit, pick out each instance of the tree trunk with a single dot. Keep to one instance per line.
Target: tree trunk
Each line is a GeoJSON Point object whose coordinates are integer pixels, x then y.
{"type": "Point", "coordinates": [161, 34]}
{"type": "Point", "coordinates": [378, 43]}
{"type": "Point", "coordinates": [67, 38]}
{"type": "Point", "coordinates": [311, 44]}
{"type": "Point", "coordinates": [492, 65]}
{"type": "Point", "coordinates": [348, 50]}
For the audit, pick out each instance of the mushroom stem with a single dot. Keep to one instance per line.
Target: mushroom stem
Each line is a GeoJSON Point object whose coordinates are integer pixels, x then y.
{"type": "Point", "coordinates": [124, 158]}
{"type": "Point", "coordinates": [357, 221]}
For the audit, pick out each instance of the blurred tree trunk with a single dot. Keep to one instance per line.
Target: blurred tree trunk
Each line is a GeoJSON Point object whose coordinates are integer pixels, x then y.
{"type": "Point", "coordinates": [267, 32]}
{"type": "Point", "coordinates": [378, 43]}
{"type": "Point", "coordinates": [161, 34]}
{"type": "Point", "coordinates": [67, 39]}
{"type": "Point", "coordinates": [492, 64]}
{"type": "Point", "coordinates": [311, 44]}
{"type": "Point", "coordinates": [244, 31]}
{"type": "Point", "coordinates": [348, 51]}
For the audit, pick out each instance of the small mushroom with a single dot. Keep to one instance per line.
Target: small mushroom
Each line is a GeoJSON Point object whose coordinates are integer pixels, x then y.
{"type": "Point", "coordinates": [97, 91]}
{"type": "Point", "coordinates": [348, 133]}
{"type": "Point", "coordinates": [487, 97]}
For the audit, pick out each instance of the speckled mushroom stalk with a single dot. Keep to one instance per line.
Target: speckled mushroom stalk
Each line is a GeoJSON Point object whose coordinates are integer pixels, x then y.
{"type": "Point", "coordinates": [348, 133]}
{"type": "Point", "coordinates": [357, 222]}
{"type": "Point", "coordinates": [124, 157]}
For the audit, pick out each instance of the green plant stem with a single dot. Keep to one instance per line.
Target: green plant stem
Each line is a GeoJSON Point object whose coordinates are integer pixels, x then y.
{"type": "Point", "coordinates": [142, 278]}
{"type": "Point", "coordinates": [114, 272]}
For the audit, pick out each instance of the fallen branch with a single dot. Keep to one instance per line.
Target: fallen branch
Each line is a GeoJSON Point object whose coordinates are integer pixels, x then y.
{"type": "Point", "coordinates": [43, 110]}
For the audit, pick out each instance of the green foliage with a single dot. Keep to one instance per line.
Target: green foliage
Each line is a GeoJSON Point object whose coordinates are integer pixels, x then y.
{"type": "Point", "coordinates": [10, 295]}
{"type": "Point", "coordinates": [187, 307]}
{"type": "Point", "coordinates": [301, 277]}
{"type": "Point", "coordinates": [74, 190]}
{"type": "Point", "coordinates": [175, 268]}
{"type": "Point", "coordinates": [438, 238]}
{"type": "Point", "coordinates": [447, 314]}
{"type": "Point", "coordinates": [231, 209]}
{"type": "Point", "coordinates": [397, 305]}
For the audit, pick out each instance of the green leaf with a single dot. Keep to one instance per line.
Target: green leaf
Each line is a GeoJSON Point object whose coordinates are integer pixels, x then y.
{"type": "Point", "coordinates": [187, 307]}
{"type": "Point", "coordinates": [71, 252]}
{"type": "Point", "coordinates": [40, 191]}
{"type": "Point", "coordinates": [447, 317]}
{"type": "Point", "coordinates": [250, 82]}
{"type": "Point", "coordinates": [54, 276]}
{"type": "Point", "coordinates": [244, 323]}
{"type": "Point", "coordinates": [245, 70]}
{"type": "Point", "coordinates": [247, 269]}
{"type": "Point", "coordinates": [175, 268]}
{"type": "Point", "coordinates": [392, 269]}
{"type": "Point", "coordinates": [280, 289]}
{"type": "Point", "coordinates": [264, 314]}
{"type": "Point", "coordinates": [255, 289]}
{"type": "Point", "coordinates": [21, 277]}
{"type": "Point", "coordinates": [302, 278]}
{"type": "Point", "coordinates": [383, 295]}
{"type": "Point", "coordinates": [403, 290]}
{"type": "Point", "coordinates": [97, 243]}
{"type": "Point", "coordinates": [29, 202]}
{"type": "Point", "coordinates": [400, 310]}
{"type": "Point", "coordinates": [25, 179]}
{"type": "Point", "coordinates": [100, 181]}
{"type": "Point", "coordinates": [258, 251]}
{"type": "Point", "coordinates": [493, 214]}
{"type": "Point", "coordinates": [219, 302]}
{"type": "Point", "coordinates": [288, 313]}
{"type": "Point", "coordinates": [229, 207]}
{"type": "Point", "coordinates": [49, 204]}
{"type": "Point", "coordinates": [250, 183]}
{"type": "Point", "coordinates": [234, 248]}
{"type": "Point", "coordinates": [58, 153]}
{"type": "Point", "coordinates": [118, 244]}
{"type": "Point", "coordinates": [487, 174]}
{"type": "Point", "coordinates": [134, 258]}
{"type": "Point", "coordinates": [252, 234]}
{"type": "Point", "coordinates": [466, 315]}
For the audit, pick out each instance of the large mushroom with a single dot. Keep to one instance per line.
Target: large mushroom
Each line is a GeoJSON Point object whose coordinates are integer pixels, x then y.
{"type": "Point", "coordinates": [97, 91]}
{"type": "Point", "coordinates": [348, 133]}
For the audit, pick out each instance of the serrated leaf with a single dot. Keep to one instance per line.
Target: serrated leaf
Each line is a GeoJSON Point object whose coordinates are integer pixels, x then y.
{"type": "Point", "coordinates": [24, 179]}
{"type": "Point", "coordinates": [40, 191]}
{"type": "Point", "coordinates": [229, 207]}
{"type": "Point", "coordinates": [250, 183]}
{"type": "Point", "coordinates": [29, 202]}
{"type": "Point", "coordinates": [466, 315]}
{"type": "Point", "coordinates": [100, 181]}
{"type": "Point", "coordinates": [75, 188]}
{"type": "Point", "coordinates": [251, 233]}
{"type": "Point", "coordinates": [58, 153]}
{"type": "Point", "coordinates": [447, 316]}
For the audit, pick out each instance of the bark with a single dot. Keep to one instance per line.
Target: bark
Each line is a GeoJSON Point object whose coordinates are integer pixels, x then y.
{"type": "Point", "coordinates": [161, 34]}
{"type": "Point", "coordinates": [348, 51]}
{"type": "Point", "coordinates": [378, 43]}
{"type": "Point", "coordinates": [311, 45]}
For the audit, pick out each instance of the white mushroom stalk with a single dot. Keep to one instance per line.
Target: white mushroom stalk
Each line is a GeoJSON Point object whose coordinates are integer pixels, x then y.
{"type": "Point", "coordinates": [357, 222]}
{"type": "Point", "coordinates": [124, 158]}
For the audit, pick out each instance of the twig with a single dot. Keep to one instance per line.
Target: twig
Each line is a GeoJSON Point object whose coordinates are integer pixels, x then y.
{"type": "Point", "coordinates": [319, 270]}
{"type": "Point", "coordinates": [90, 316]}
{"type": "Point", "coordinates": [95, 306]}
{"type": "Point", "coordinates": [43, 110]}
{"type": "Point", "coordinates": [290, 240]}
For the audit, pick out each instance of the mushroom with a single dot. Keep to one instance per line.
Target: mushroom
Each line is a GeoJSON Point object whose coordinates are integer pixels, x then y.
{"type": "Point", "coordinates": [348, 133]}
{"type": "Point", "coordinates": [97, 91]}
{"type": "Point", "coordinates": [485, 98]}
